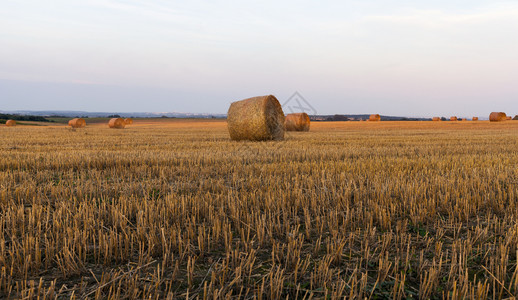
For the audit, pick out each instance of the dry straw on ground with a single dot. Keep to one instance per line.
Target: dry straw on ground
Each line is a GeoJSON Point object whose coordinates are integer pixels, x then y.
{"type": "Point", "coordinates": [257, 119]}
{"type": "Point", "coordinates": [297, 122]}
{"type": "Point", "coordinates": [77, 123]}
{"type": "Point", "coordinates": [10, 123]}
{"type": "Point", "coordinates": [475, 119]}
{"type": "Point", "coordinates": [128, 121]}
{"type": "Point", "coordinates": [117, 123]}
{"type": "Point", "coordinates": [374, 118]}
{"type": "Point", "coordinates": [497, 117]}
{"type": "Point", "coordinates": [436, 119]}
{"type": "Point", "coordinates": [453, 118]}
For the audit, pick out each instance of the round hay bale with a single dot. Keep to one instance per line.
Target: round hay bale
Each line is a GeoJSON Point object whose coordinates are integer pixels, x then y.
{"type": "Point", "coordinates": [497, 117]}
{"type": "Point", "coordinates": [453, 118]}
{"type": "Point", "coordinates": [257, 119]}
{"type": "Point", "coordinates": [464, 119]}
{"type": "Point", "coordinates": [117, 123]}
{"type": "Point", "coordinates": [374, 118]}
{"type": "Point", "coordinates": [10, 123]}
{"type": "Point", "coordinates": [297, 122]}
{"type": "Point", "coordinates": [128, 121]}
{"type": "Point", "coordinates": [77, 123]}
{"type": "Point", "coordinates": [509, 118]}
{"type": "Point", "coordinates": [515, 117]}
{"type": "Point", "coordinates": [436, 119]}
{"type": "Point", "coordinates": [475, 119]}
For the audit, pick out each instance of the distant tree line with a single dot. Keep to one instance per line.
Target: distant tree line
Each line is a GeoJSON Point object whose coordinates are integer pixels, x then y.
{"type": "Point", "coordinates": [5, 117]}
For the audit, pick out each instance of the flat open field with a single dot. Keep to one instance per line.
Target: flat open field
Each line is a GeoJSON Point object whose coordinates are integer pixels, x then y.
{"type": "Point", "coordinates": [174, 209]}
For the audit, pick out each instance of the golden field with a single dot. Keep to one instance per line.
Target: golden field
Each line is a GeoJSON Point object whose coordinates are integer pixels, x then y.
{"type": "Point", "coordinates": [175, 209]}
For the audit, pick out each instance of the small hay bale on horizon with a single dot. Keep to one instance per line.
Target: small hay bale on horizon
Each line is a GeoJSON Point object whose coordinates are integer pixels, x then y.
{"type": "Point", "coordinates": [77, 123]}
{"type": "Point", "coordinates": [454, 118]}
{"type": "Point", "coordinates": [374, 118]}
{"type": "Point", "coordinates": [474, 119]}
{"type": "Point", "coordinates": [297, 122]}
{"type": "Point", "coordinates": [497, 117]}
{"type": "Point", "coordinates": [117, 123]}
{"type": "Point", "coordinates": [128, 121]}
{"type": "Point", "coordinates": [436, 119]}
{"type": "Point", "coordinates": [509, 118]}
{"type": "Point", "coordinates": [257, 119]}
{"type": "Point", "coordinates": [10, 123]}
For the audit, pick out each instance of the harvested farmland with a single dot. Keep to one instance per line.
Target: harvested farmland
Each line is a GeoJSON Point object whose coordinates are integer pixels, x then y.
{"type": "Point", "coordinates": [175, 209]}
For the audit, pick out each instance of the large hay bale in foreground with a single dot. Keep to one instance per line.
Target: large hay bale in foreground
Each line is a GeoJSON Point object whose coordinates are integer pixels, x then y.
{"type": "Point", "coordinates": [10, 123]}
{"type": "Point", "coordinates": [475, 119]}
{"type": "Point", "coordinates": [128, 121]}
{"type": "Point", "coordinates": [257, 119]}
{"type": "Point", "coordinates": [453, 118]}
{"type": "Point", "coordinates": [117, 123]}
{"type": "Point", "coordinates": [374, 118]}
{"type": "Point", "coordinates": [497, 117]}
{"type": "Point", "coordinates": [77, 123]}
{"type": "Point", "coordinates": [436, 119]}
{"type": "Point", "coordinates": [297, 122]}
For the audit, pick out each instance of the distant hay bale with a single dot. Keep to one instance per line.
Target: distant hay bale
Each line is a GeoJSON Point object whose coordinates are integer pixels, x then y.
{"type": "Point", "coordinates": [464, 119]}
{"type": "Point", "coordinates": [515, 117]}
{"type": "Point", "coordinates": [117, 123]}
{"type": "Point", "coordinates": [297, 122]}
{"type": "Point", "coordinates": [509, 118]}
{"type": "Point", "coordinates": [257, 119]}
{"type": "Point", "coordinates": [436, 119]}
{"type": "Point", "coordinates": [10, 123]}
{"type": "Point", "coordinates": [497, 117]}
{"type": "Point", "coordinates": [453, 118]}
{"type": "Point", "coordinates": [77, 123]}
{"type": "Point", "coordinates": [374, 118]}
{"type": "Point", "coordinates": [475, 119]}
{"type": "Point", "coordinates": [128, 121]}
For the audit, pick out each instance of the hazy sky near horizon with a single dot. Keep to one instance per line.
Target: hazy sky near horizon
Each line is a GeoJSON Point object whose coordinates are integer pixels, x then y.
{"type": "Point", "coordinates": [401, 57]}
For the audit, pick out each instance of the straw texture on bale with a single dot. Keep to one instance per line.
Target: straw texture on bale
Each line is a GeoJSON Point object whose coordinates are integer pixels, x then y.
{"type": "Point", "coordinates": [374, 118]}
{"type": "Point", "coordinates": [128, 121]}
{"type": "Point", "coordinates": [297, 122]}
{"type": "Point", "coordinates": [497, 117]}
{"type": "Point", "coordinates": [475, 119]}
{"type": "Point", "coordinates": [453, 119]}
{"type": "Point", "coordinates": [77, 123]}
{"type": "Point", "coordinates": [436, 119]}
{"type": "Point", "coordinates": [117, 123]}
{"type": "Point", "coordinates": [10, 123]}
{"type": "Point", "coordinates": [257, 119]}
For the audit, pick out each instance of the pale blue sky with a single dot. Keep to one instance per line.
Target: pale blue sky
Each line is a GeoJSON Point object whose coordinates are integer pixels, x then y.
{"type": "Point", "coordinates": [414, 58]}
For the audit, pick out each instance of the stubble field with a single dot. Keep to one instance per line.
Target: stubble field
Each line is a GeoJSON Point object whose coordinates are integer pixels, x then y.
{"type": "Point", "coordinates": [174, 209]}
